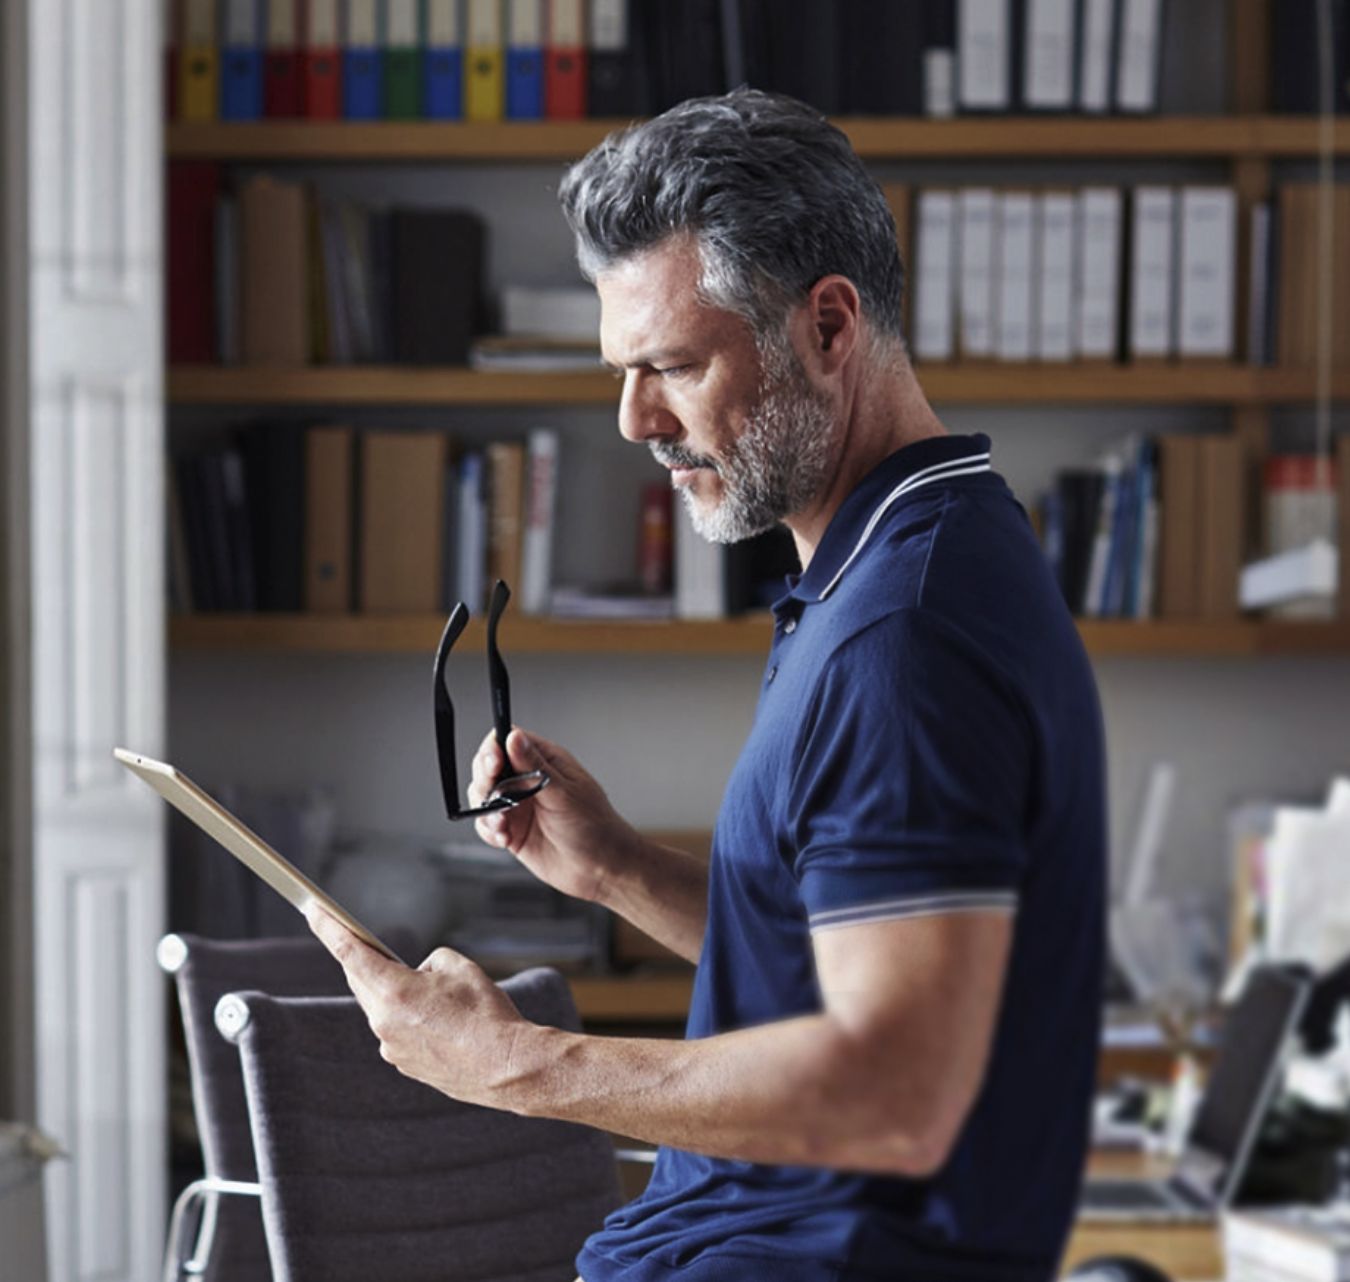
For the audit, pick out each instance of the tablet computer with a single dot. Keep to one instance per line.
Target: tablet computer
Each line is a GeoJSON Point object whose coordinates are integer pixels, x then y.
{"type": "Point", "coordinates": [243, 843]}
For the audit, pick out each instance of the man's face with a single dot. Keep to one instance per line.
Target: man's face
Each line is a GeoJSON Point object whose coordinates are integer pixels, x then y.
{"type": "Point", "coordinates": [747, 439]}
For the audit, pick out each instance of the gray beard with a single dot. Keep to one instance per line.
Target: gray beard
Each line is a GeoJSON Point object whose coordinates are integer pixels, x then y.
{"type": "Point", "coordinates": [775, 468]}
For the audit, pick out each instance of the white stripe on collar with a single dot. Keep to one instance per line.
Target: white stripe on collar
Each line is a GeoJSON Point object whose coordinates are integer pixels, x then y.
{"type": "Point", "coordinates": [971, 463]}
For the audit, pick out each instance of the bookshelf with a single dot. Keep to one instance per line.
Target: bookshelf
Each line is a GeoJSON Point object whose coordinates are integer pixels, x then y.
{"type": "Point", "coordinates": [1245, 147]}
{"type": "Point", "coordinates": [968, 384]}
{"type": "Point", "coordinates": [1222, 137]}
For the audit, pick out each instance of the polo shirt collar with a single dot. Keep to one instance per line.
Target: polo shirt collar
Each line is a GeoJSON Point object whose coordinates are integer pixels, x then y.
{"type": "Point", "coordinates": [925, 462]}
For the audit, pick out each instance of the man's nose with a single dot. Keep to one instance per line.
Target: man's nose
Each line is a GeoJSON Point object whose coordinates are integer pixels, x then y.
{"type": "Point", "coordinates": [643, 416]}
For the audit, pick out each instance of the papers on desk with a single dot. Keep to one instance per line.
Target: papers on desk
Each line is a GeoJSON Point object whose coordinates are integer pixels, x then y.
{"type": "Point", "coordinates": [1288, 1243]}
{"type": "Point", "coordinates": [1307, 871]}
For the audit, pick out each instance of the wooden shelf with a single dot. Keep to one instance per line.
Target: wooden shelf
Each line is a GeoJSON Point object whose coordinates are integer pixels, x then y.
{"type": "Point", "coordinates": [418, 634]}
{"type": "Point", "coordinates": [1072, 384]}
{"type": "Point", "coordinates": [875, 139]}
{"type": "Point", "coordinates": [729, 638]}
{"type": "Point", "coordinates": [382, 385]}
{"type": "Point", "coordinates": [635, 999]}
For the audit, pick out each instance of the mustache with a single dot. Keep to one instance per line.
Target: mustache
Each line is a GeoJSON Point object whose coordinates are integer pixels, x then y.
{"type": "Point", "coordinates": [677, 456]}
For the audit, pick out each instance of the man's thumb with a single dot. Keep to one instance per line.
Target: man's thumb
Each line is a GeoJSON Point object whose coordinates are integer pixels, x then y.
{"type": "Point", "coordinates": [524, 752]}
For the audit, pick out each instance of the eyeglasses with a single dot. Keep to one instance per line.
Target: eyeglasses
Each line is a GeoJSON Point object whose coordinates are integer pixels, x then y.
{"type": "Point", "coordinates": [513, 789]}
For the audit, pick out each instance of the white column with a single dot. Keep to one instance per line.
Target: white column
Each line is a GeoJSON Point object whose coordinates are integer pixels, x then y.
{"type": "Point", "coordinates": [96, 465]}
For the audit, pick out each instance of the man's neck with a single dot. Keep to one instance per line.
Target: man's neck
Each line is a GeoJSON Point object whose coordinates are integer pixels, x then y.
{"type": "Point", "coordinates": [885, 412]}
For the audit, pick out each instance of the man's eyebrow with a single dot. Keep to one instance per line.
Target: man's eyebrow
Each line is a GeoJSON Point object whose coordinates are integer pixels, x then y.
{"type": "Point", "coordinates": [661, 356]}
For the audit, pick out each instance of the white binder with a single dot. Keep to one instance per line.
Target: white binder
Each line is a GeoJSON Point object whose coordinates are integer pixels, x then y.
{"type": "Point", "coordinates": [975, 288]}
{"type": "Point", "coordinates": [935, 283]}
{"type": "Point", "coordinates": [1153, 273]}
{"type": "Point", "coordinates": [1208, 255]}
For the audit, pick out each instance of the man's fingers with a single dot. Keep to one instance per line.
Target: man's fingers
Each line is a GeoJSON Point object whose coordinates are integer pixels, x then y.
{"type": "Point", "coordinates": [524, 752]}
{"type": "Point", "coordinates": [364, 966]}
{"type": "Point", "coordinates": [488, 767]}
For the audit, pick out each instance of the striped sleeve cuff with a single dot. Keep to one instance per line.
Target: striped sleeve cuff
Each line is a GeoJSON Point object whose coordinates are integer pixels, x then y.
{"type": "Point", "coordinates": [928, 904]}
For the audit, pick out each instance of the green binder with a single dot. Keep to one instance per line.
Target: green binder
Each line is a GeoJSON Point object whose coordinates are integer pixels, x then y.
{"type": "Point", "coordinates": [402, 84]}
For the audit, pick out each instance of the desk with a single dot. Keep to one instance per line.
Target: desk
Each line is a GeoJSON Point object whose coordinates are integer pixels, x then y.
{"type": "Point", "coordinates": [1182, 1251]}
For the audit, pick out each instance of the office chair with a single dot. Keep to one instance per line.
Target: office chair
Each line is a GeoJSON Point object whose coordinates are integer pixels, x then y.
{"type": "Point", "coordinates": [229, 1244]}
{"type": "Point", "coordinates": [368, 1174]}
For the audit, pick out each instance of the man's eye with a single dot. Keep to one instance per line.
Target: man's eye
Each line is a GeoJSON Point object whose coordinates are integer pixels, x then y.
{"type": "Point", "coordinates": [672, 371]}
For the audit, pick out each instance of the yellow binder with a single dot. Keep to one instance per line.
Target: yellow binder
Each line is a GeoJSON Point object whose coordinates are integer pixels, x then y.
{"type": "Point", "coordinates": [484, 74]}
{"type": "Point", "coordinates": [199, 63]}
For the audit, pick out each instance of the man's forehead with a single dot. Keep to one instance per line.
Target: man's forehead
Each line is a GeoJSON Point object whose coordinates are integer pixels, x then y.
{"type": "Point", "coordinates": [649, 302]}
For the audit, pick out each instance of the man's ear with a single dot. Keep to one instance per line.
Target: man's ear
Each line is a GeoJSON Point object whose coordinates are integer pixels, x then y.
{"type": "Point", "coordinates": [835, 311]}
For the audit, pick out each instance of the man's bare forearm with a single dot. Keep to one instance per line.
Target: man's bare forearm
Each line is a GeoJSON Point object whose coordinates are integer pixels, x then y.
{"type": "Point", "coordinates": [662, 891]}
{"type": "Point", "coordinates": [795, 1092]}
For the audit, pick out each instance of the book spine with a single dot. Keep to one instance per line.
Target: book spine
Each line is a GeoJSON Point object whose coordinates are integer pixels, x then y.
{"type": "Point", "coordinates": [1054, 281]}
{"type": "Point", "coordinates": [283, 66]}
{"type": "Point", "coordinates": [506, 501]}
{"type": "Point", "coordinates": [565, 61]}
{"type": "Point", "coordinates": [541, 487]}
{"type": "Point", "coordinates": [241, 64]}
{"type": "Point", "coordinates": [525, 60]}
{"type": "Point", "coordinates": [472, 542]}
{"type": "Point", "coordinates": [328, 520]}
{"type": "Point", "coordinates": [443, 70]}
{"type": "Point", "coordinates": [402, 70]}
{"type": "Point", "coordinates": [654, 539]}
{"type": "Point", "coordinates": [362, 93]}
{"type": "Point", "coordinates": [321, 62]}
{"type": "Point", "coordinates": [934, 293]}
{"type": "Point", "coordinates": [199, 63]}
{"type": "Point", "coordinates": [484, 95]}
{"type": "Point", "coordinates": [977, 212]}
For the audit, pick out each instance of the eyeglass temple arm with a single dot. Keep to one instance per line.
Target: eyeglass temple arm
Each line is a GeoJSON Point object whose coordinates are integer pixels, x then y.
{"type": "Point", "coordinates": [499, 682]}
{"type": "Point", "coordinates": [445, 710]}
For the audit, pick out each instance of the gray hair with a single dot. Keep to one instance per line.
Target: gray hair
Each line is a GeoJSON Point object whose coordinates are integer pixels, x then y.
{"type": "Point", "coordinates": [773, 194]}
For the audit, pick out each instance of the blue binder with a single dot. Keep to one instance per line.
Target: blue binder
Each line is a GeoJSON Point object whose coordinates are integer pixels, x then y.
{"type": "Point", "coordinates": [362, 94]}
{"type": "Point", "coordinates": [362, 64]}
{"type": "Point", "coordinates": [443, 83]}
{"type": "Point", "coordinates": [241, 64]}
{"type": "Point", "coordinates": [524, 83]}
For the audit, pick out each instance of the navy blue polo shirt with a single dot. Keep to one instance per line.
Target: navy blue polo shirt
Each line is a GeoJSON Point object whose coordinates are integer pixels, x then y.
{"type": "Point", "coordinates": [927, 740]}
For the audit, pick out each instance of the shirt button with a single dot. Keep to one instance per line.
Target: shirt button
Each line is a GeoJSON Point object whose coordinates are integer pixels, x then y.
{"type": "Point", "coordinates": [773, 672]}
{"type": "Point", "coordinates": [789, 627]}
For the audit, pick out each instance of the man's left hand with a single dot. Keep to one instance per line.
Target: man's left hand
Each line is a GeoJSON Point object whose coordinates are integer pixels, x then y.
{"type": "Point", "coordinates": [445, 1023]}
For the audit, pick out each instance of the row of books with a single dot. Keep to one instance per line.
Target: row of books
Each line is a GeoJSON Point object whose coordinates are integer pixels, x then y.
{"type": "Point", "coordinates": [327, 520]}
{"type": "Point", "coordinates": [563, 59]}
{"type": "Point", "coordinates": [280, 273]}
{"type": "Point", "coordinates": [1099, 273]}
{"type": "Point", "coordinates": [1162, 527]}
{"type": "Point", "coordinates": [1095, 56]}
{"type": "Point", "coordinates": [276, 273]}
{"type": "Point", "coordinates": [1138, 274]}
{"type": "Point", "coordinates": [1299, 250]}
{"type": "Point", "coordinates": [243, 60]}
{"type": "Point", "coordinates": [1154, 530]}
{"type": "Point", "coordinates": [1297, 43]}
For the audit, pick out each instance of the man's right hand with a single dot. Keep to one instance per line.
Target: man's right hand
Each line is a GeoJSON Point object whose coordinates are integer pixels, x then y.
{"type": "Point", "coordinates": [568, 835]}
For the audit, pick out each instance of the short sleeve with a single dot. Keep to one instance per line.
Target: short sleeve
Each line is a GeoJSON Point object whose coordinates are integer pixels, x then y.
{"type": "Point", "coordinates": [911, 782]}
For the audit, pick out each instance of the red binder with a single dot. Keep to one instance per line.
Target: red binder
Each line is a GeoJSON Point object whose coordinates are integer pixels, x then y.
{"type": "Point", "coordinates": [565, 61]}
{"type": "Point", "coordinates": [281, 70]}
{"type": "Point", "coordinates": [171, 22]}
{"type": "Point", "coordinates": [193, 189]}
{"type": "Point", "coordinates": [321, 62]}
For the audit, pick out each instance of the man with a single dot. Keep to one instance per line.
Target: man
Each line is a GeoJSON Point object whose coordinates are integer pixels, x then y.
{"type": "Point", "coordinates": [894, 1023]}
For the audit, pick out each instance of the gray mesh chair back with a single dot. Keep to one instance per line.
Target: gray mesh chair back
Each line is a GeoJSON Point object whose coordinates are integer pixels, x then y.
{"type": "Point", "coordinates": [368, 1174]}
{"type": "Point", "coordinates": [231, 1246]}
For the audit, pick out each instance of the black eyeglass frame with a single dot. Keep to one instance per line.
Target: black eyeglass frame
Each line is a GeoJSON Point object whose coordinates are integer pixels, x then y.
{"type": "Point", "coordinates": [511, 790]}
